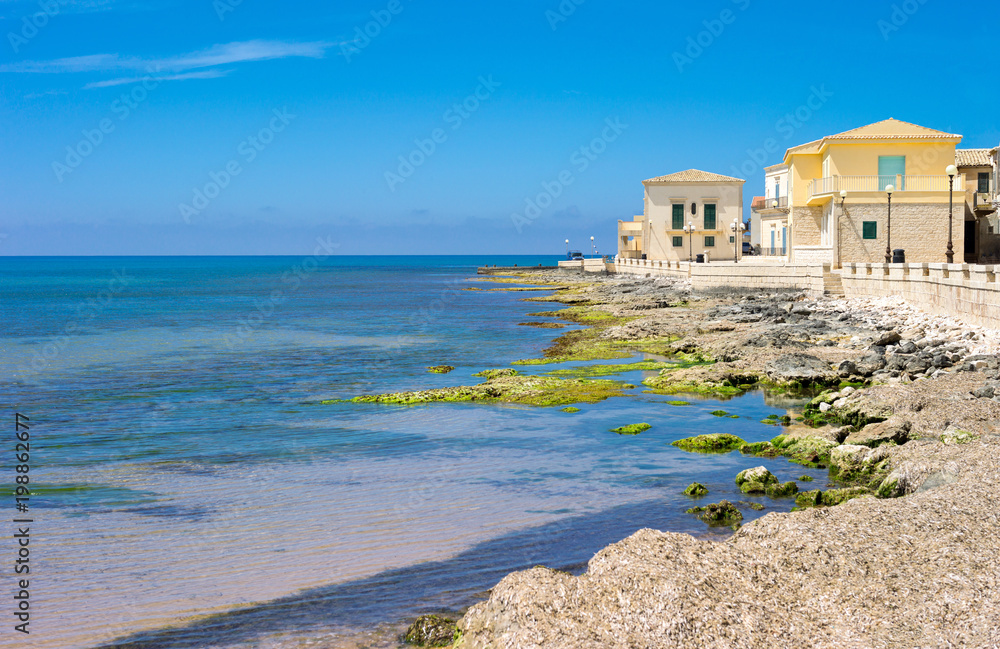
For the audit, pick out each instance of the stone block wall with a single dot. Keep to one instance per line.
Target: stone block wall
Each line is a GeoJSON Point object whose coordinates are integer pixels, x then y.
{"type": "Point", "coordinates": [920, 229]}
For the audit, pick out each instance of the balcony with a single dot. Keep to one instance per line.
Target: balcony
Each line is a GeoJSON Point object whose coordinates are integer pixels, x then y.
{"type": "Point", "coordinates": [822, 188]}
{"type": "Point", "coordinates": [629, 228]}
{"type": "Point", "coordinates": [761, 205]}
{"type": "Point", "coordinates": [983, 202]}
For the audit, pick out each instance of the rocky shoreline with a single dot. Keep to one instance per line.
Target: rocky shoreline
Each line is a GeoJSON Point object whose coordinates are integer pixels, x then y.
{"type": "Point", "coordinates": [901, 549]}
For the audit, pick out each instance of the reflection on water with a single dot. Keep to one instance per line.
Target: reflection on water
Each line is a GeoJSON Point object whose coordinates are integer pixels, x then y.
{"type": "Point", "coordinates": [179, 477]}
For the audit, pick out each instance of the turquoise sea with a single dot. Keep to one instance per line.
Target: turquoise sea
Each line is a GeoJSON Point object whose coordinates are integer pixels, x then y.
{"type": "Point", "coordinates": [190, 490]}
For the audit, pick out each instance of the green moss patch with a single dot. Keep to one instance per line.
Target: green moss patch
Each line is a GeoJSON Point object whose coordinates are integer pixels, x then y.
{"type": "Point", "coordinates": [503, 387]}
{"type": "Point", "coordinates": [441, 369]}
{"type": "Point", "coordinates": [830, 498]}
{"type": "Point", "coordinates": [590, 371]}
{"type": "Point", "coordinates": [678, 403]}
{"type": "Point", "coordinates": [712, 443]}
{"type": "Point", "coordinates": [431, 631]}
{"type": "Point", "coordinates": [571, 410]}
{"type": "Point", "coordinates": [721, 514]}
{"type": "Point", "coordinates": [696, 490]}
{"type": "Point", "coordinates": [719, 413]}
{"type": "Point", "coordinates": [785, 490]}
{"type": "Point", "coordinates": [807, 450]}
{"type": "Point", "coordinates": [543, 325]}
{"type": "Point", "coordinates": [632, 429]}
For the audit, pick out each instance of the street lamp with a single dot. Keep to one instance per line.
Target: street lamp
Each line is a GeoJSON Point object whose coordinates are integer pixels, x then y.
{"type": "Point", "coordinates": [888, 226]}
{"type": "Point", "coordinates": [592, 247]}
{"type": "Point", "coordinates": [738, 230]}
{"type": "Point", "coordinates": [567, 248]}
{"type": "Point", "coordinates": [843, 199]}
{"type": "Point", "coordinates": [952, 171]}
{"type": "Point", "coordinates": [690, 230]}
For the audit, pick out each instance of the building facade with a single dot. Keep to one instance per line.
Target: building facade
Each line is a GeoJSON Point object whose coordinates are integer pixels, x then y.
{"type": "Point", "coordinates": [839, 196]}
{"type": "Point", "coordinates": [982, 234]}
{"type": "Point", "coordinates": [686, 214]}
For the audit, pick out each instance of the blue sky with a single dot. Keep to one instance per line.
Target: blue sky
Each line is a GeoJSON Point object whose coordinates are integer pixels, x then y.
{"type": "Point", "coordinates": [250, 127]}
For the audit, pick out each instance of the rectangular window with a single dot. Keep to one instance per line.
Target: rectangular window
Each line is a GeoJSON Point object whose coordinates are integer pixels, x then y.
{"type": "Point", "coordinates": [710, 217]}
{"type": "Point", "coordinates": [732, 239]}
{"type": "Point", "coordinates": [678, 242]}
{"type": "Point", "coordinates": [709, 242]}
{"type": "Point", "coordinates": [890, 166]}
{"type": "Point", "coordinates": [869, 230]}
{"type": "Point", "coordinates": [984, 183]}
{"type": "Point", "coordinates": [678, 217]}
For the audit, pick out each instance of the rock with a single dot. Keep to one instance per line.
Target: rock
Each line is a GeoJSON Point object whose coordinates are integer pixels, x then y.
{"type": "Point", "coordinates": [801, 309]}
{"type": "Point", "coordinates": [870, 363]}
{"type": "Point", "coordinates": [848, 391]}
{"type": "Point", "coordinates": [840, 403]}
{"type": "Point", "coordinates": [847, 369]}
{"type": "Point", "coordinates": [632, 429]}
{"type": "Point", "coordinates": [712, 443]}
{"type": "Point", "coordinates": [798, 368]}
{"type": "Point", "coordinates": [696, 489]}
{"type": "Point", "coordinates": [754, 487]}
{"type": "Point", "coordinates": [888, 338]}
{"type": "Point", "coordinates": [785, 490]}
{"type": "Point", "coordinates": [431, 631]}
{"type": "Point", "coordinates": [758, 474]}
{"type": "Point", "coordinates": [896, 431]}
{"type": "Point", "coordinates": [985, 392]}
{"type": "Point", "coordinates": [721, 514]}
{"type": "Point", "coordinates": [825, 407]}
{"type": "Point", "coordinates": [907, 347]}
{"type": "Point", "coordinates": [441, 369]}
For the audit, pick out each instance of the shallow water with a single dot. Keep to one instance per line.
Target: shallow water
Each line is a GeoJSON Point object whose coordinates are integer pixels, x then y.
{"type": "Point", "coordinates": [187, 476]}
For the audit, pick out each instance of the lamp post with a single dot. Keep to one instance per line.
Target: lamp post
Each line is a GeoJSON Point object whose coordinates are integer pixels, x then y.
{"type": "Point", "coordinates": [738, 230]}
{"type": "Point", "coordinates": [843, 199]}
{"type": "Point", "coordinates": [567, 248]}
{"type": "Point", "coordinates": [592, 247]}
{"type": "Point", "coordinates": [690, 230]}
{"type": "Point", "coordinates": [888, 226]}
{"type": "Point", "coordinates": [952, 171]}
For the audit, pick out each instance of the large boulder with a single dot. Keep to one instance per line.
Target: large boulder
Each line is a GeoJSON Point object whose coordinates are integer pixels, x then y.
{"type": "Point", "coordinates": [799, 368]}
{"type": "Point", "coordinates": [895, 430]}
{"type": "Point", "coordinates": [755, 481]}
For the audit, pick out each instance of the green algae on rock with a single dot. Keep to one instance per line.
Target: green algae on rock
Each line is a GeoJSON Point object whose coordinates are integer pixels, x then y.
{"type": "Point", "coordinates": [632, 429]}
{"type": "Point", "coordinates": [721, 514]}
{"type": "Point", "coordinates": [806, 478]}
{"type": "Point", "coordinates": [719, 413]}
{"type": "Point", "coordinates": [542, 325]}
{"type": "Point", "coordinates": [831, 498]}
{"type": "Point", "coordinates": [807, 450]}
{"type": "Point", "coordinates": [784, 490]}
{"type": "Point", "coordinates": [441, 369]}
{"type": "Point", "coordinates": [504, 387]}
{"type": "Point", "coordinates": [755, 481]}
{"type": "Point", "coordinates": [678, 403]}
{"type": "Point", "coordinates": [589, 371]}
{"type": "Point", "coordinates": [696, 489]}
{"type": "Point", "coordinates": [494, 374]}
{"type": "Point", "coordinates": [431, 631]}
{"type": "Point", "coordinates": [571, 410]}
{"type": "Point", "coordinates": [712, 443]}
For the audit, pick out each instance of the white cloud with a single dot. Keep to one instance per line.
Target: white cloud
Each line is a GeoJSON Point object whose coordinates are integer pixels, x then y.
{"type": "Point", "coordinates": [180, 66]}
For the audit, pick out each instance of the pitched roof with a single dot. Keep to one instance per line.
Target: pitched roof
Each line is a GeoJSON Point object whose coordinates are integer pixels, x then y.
{"type": "Point", "coordinates": [694, 176]}
{"type": "Point", "coordinates": [974, 157]}
{"type": "Point", "coordinates": [892, 129]}
{"type": "Point", "coordinates": [808, 147]}
{"type": "Point", "coordinates": [758, 202]}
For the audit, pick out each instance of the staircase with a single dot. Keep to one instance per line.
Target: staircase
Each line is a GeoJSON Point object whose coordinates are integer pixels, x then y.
{"type": "Point", "coordinates": [832, 284]}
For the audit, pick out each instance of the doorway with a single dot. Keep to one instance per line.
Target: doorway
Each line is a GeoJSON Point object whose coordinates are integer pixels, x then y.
{"type": "Point", "coordinates": [970, 242]}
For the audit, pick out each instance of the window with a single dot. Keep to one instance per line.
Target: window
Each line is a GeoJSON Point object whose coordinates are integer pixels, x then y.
{"type": "Point", "coordinates": [732, 239]}
{"type": "Point", "coordinates": [678, 242]}
{"type": "Point", "coordinates": [869, 230]}
{"type": "Point", "coordinates": [709, 242]}
{"type": "Point", "coordinates": [826, 167]}
{"type": "Point", "coordinates": [678, 217]}
{"type": "Point", "coordinates": [890, 166]}
{"type": "Point", "coordinates": [984, 183]}
{"type": "Point", "coordinates": [710, 217]}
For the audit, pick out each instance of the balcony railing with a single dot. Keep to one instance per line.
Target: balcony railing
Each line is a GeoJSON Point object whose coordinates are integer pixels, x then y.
{"type": "Point", "coordinates": [629, 226]}
{"type": "Point", "coordinates": [772, 252]}
{"type": "Point", "coordinates": [874, 184]}
{"type": "Point", "coordinates": [768, 203]}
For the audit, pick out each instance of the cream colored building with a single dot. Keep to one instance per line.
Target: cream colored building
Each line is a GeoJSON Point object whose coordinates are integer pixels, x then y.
{"type": "Point", "coordinates": [839, 203]}
{"type": "Point", "coordinates": [982, 235]}
{"type": "Point", "coordinates": [774, 212]}
{"type": "Point", "coordinates": [686, 214]}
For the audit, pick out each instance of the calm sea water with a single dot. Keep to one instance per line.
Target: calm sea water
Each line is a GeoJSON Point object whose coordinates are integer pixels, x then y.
{"type": "Point", "coordinates": [191, 491]}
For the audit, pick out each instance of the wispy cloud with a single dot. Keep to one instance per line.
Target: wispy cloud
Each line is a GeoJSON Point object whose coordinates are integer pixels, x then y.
{"type": "Point", "coordinates": [180, 66]}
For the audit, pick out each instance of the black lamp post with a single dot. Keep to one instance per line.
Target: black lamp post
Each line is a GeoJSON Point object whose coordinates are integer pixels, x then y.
{"type": "Point", "coordinates": [843, 199]}
{"type": "Point", "coordinates": [888, 226]}
{"type": "Point", "coordinates": [952, 171]}
{"type": "Point", "coordinates": [690, 231]}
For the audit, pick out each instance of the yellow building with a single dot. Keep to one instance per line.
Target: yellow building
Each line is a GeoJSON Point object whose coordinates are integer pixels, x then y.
{"type": "Point", "coordinates": [839, 196]}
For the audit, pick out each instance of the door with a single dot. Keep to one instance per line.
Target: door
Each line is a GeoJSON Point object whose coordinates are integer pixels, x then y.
{"type": "Point", "coordinates": [970, 242]}
{"type": "Point", "coordinates": [890, 166]}
{"type": "Point", "coordinates": [773, 232]}
{"type": "Point", "coordinates": [784, 240]}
